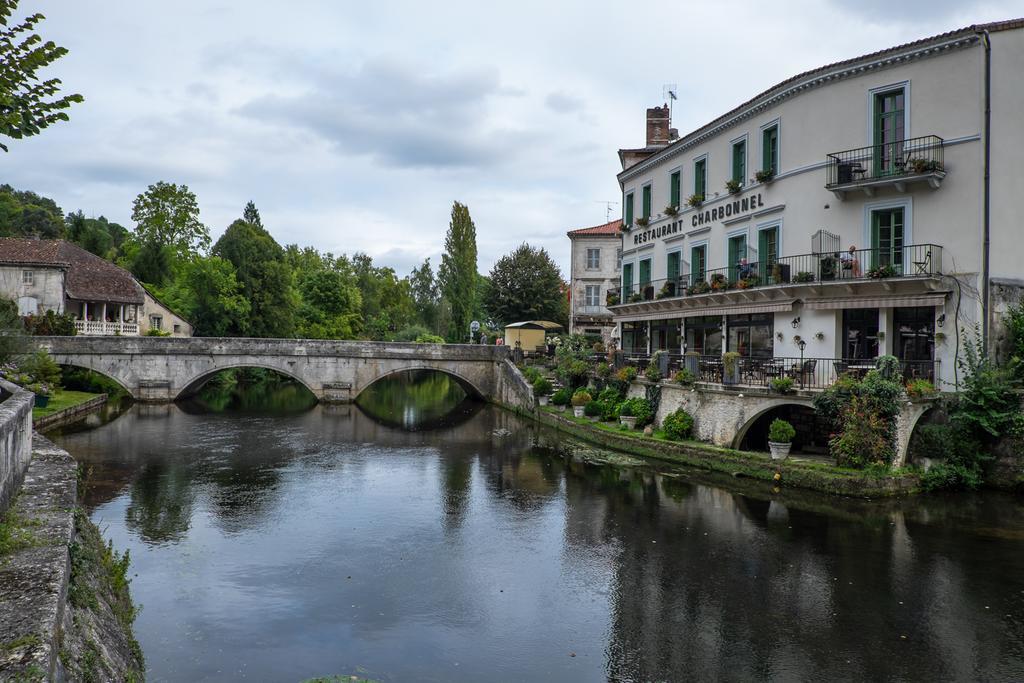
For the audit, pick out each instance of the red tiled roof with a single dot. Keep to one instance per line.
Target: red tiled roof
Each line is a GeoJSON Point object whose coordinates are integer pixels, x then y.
{"type": "Point", "coordinates": [611, 229]}
{"type": "Point", "coordinates": [992, 27]}
{"type": "Point", "coordinates": [89, 277]}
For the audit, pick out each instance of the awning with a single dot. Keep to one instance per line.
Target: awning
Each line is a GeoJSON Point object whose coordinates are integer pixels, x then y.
{"type": "Point", "coordinates": [933, 299]}
{"type": "Point", "coordinates": [720, 309]}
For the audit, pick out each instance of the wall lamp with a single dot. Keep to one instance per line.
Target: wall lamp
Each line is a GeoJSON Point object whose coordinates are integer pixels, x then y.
{"type": "Point", "coordinates": [942, 320]}
{"type": "Point", "coordinates": [796, 322]}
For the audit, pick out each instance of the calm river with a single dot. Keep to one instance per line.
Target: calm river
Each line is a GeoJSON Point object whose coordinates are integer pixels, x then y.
{"type": "Point", "coordinates": [417, 538]}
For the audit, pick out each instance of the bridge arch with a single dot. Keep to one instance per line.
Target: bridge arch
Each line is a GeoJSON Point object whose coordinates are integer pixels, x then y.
{"type": "Point", "coordinates": [123, 382]}
{"type": "Point", "coordinates": [801, 414]}
{"type": "Point", "coordinates": [466, 384]}
{"type": "Point", "coordinates": [196, 382]}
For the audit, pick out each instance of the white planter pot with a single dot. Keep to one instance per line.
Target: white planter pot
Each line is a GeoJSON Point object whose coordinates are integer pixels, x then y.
{"type": "Point", "coordinates": [543, 400]}
{"type": "Point", "coordinates": [780, 451]}
{"type": "Point", "coordinates": [577, 411]}
{"type": "Point", "coordinates": [561, 409]}
{"type": "Point", "coordinates": [628, 421]}
{"type": "Point", "coordinates": [595, 418]}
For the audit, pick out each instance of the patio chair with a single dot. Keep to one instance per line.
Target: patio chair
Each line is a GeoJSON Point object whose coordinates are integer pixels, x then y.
{"type": "Point", "coordinates": [923, 267]}
{"type": "Point", "coordinates": [805, 371]}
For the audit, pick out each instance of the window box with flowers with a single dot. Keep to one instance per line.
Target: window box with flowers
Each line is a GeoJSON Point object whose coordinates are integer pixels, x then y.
{"type": "Point", "coordinates": [695, 200]}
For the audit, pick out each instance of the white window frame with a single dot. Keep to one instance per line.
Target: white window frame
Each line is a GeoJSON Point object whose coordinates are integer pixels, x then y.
{"type": "Point", "coordinates": [156, 321]}
{"type": "Point", "coordinates": [586, 295]}
{"type": "Point", "coordinates": [777, 123]}
{"type": "Point", "coordinates": [706, 243]}
{"type": "Point", "coordinates": [768, 225]}
{"type": "Point", "coordinates": [28, 277]}
{"type": "Point", "coordinates": [907, 204]}
{"type": "Point", "coordinates": [901, 85]}
{"type": "Point", "coordinates": [674, 250]}
{"type": "Point", "coordinates": [746, 157]}
{"type": "Point", "coordinates": [597, 265]}
{"type": "Point", "coordinates": [745, 231]}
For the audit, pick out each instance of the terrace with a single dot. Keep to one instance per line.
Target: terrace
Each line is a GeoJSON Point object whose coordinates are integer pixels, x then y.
{"type": "Point", "coordinates": [896, 165]}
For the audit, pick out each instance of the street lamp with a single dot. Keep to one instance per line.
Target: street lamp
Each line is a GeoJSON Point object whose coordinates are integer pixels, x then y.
{"type": "Point", "coordinates": [802, 344]}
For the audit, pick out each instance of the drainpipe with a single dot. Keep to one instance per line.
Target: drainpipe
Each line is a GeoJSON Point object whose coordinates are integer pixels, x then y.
{"type": "Point", "coordinates": [986, 236]}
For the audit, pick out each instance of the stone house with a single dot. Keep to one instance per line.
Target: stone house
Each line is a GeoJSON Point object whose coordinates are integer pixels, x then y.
{"type": "Point", "coordinates": [596, 253]}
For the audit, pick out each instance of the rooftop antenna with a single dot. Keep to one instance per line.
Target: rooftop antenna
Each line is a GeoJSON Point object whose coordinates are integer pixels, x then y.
{"type": "Point", "coordinates": [607, 209]}
{"type": "Point", "coordinates": [668, 94]}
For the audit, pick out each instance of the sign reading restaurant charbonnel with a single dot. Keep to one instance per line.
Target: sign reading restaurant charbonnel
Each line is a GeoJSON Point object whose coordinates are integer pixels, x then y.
{"type": "Point", "coordinates": [736, 207]}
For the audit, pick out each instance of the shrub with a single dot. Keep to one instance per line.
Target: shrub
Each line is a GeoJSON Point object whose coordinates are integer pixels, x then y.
{"type": "Point", "coordinates": [51, 324]}
{"type": "Point", "coordinates": [153, 332]}
{"type": "Point", "coordinates": [782, 385]}
{"type": "Point", "coordinates": [804, 276]}
{"type": "Point", "coordinates": [889, 367]}
{"type": "Point", "coordinates": [637, 407]}
{"type": "Point", "coordinates": [652, 373]}
{"type": "Point", "coordinates": [678, 425]}
{"type": "Point", "coordinates": [610, 394]}
{"type": "Point", "coordinates": [950, 475]}
{"type": "Point", "coordinates": [593, 409]}
{"type": "Point", "coordinates": [41, 367]}
{"type": "Point", "coordinates": [410, 333]}
{"type": "Point", "coordinates": [609, 409]}
{"type": "Point", "coordinates": [603, 370]}
{"type": "Point", "coordinates": [988, 406]}
{"type": "Point", "coordinates": [685, 378]}
{"type": "Point", "coordinates": [781, 431]}
{"type": "Point", "coordinates": [581, 398]}
{"type": "Point", "coordinates": [561, 397]}
{"type": "Point", "coordinates": [429, 339]}
{"type": "Point", "coordinates": [917, 388]}
{"type": "Point", "coordinates": [542, 387]}
{"type": "Point", "coordinates": [532, 375]}
{"type": "Point", "coordinates": [865, 438]}
{"type": "Point", "coordinates": [626, 374]}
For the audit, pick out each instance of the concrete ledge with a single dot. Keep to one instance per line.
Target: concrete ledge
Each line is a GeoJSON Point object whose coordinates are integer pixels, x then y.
{"type": "Point", "coordinates": [70, 412]}
{"type": "Point", "coordinates": [34, 579]}
{"type": "Point", "coordinates": [15, 438]}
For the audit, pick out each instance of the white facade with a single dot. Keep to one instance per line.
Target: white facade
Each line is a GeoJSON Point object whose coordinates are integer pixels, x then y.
{"type": "Point", "coordinates": [595, 262]}
{"type": "Point", "coordinates": [34, 288]}
{"type": "Point", "coordinates": [912, 198]}
{"type": "Point", "coordinates": [156, 316]}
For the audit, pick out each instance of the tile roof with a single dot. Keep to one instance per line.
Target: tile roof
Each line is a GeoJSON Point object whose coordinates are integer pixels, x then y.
{"type": "Point", "coordinates": [611, 229]}
{"type": "Point", "coordinates": [89, 277]}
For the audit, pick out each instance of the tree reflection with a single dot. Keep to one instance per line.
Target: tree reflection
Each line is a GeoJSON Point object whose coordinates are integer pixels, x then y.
{"type": "Point", "coordinates": [417, 400]}
{"type": "Point", "coordinates": [161, 504]}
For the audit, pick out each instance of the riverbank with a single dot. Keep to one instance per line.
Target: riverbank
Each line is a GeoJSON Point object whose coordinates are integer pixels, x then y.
{"type": "Point", "coordinates": [65, 611]}
{"type": "Point", "coordinates": [814, 476]}
{"type": "Point", "coordinates": [64, 405]}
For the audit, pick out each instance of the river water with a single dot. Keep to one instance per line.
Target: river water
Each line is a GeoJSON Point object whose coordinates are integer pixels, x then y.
{"type": "Point", "coordinates": [418, 537]}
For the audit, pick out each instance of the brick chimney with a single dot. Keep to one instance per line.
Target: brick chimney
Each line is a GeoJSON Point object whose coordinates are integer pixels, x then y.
{"type": "Point", "coordinates": [659, 132]}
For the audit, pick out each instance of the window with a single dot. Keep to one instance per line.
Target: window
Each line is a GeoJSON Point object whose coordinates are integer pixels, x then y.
{"type": "Point", "coordinates": [634, 337]}
{"type": "Point", "coordinates": [618, 258]}
{"type": "Point", "coordinates": [700, 176]}
{"type": "Point", "coordinates": [155, 321]}
{"type": "Point", "coordinates": [915, 341]}
{"type": "Point", "coordinates": [887, 230]}
{"type": "Point", "coordinates": [860, 333]}
{"type": "Point", "coordinates": [627, 280]}
{"type": "Point", "coordinates": [888, 131]}
{"type": "Point", "coordinates": [645, 279]}
{"type": "Point", "coordinates": [28, 305]}
{"type": "Point", "coordinates": [698, 263]}
{"type": "Point", "coordinates": [751, 335]}
{"type": "Point", "coordinates": [627, 216]}
{"type": "Point", "coordinates": [646, 208]}
{"type": "Point", "coordinates": [768, 255]}
{"type": "Point", "coordinates": [592, 295]}
{"type": "Point", "coordinates": [672, 271]}
{"type": "Point", "coordinates": [593, 259]}
{"type": "Point", "coordinates": [704, 335]}
{"type": "Point", "coordinates": [737, 253]}
{"type": "Point", "coordinates": [770, 149]}
{"type": "Point", "coordinates": [665, 335]}
{"type": "Point", "coordinates": [27, 277]}
{"type": "Point", "coordinates": [739, 161]}
{"type": "Point", "coordinates": [674, 183]}
{"type": "Point", "coordinates": [177, 329]}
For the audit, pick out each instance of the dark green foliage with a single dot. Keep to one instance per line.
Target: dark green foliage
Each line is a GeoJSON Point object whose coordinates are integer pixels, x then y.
{"type": "Point", "coordinates": [330, 307]}
{"type": "Point", "coordinates": [251, 215]}
{"type": "Point", "coordinates": [960, 456]}
{"type": "Point", "coordinates": [457, 276]}
{"type": "Point", "coordinates": [51, 324]}
{"type": "Point", "coordinates": [988, 406]}
{"type": "Point", "coordinates": [593, 408]}
{"type": "Point", "coordinates": [96, 235]}
{"type": "Point", "coordinates": [526, 285]}
{"type": "Point", "coordinates": [685, 378]}
{"type": "Point", "coordinates": [151, 262]}
{"type": "Point", "coordinates": [41, 367]}
{"type": "Point", "coordinates": [781, 431]}
{"type": "Point", "coordinates": [531, 374]}
{"type": "Point", "coordinates": [677, 425]}
{"type": "Point", "coordinates": [542, 387]}
{"type": "Point", "coordinates": [1014, 321]}
{"type": "Point", "coordinates": [951, 476]}
{"type": "Point", "coordinates": [571, 358]}
{"type": "Point", "coordinates": [561, 397]}
{"type": "Point", "coordinates": [28, 102]}
{"type": "Point", "coordinates": [861, 415]}
{"type": "Point", "coordinates": [637, 407]}
{"type": "Point", "coordinates": [167, 219]}
{"type": "Point", "coordinates": [12, 331]}
{"type": "Point", "coordinates": [26, 214]}
{"type": "Point", "coordinates": [425, 295]}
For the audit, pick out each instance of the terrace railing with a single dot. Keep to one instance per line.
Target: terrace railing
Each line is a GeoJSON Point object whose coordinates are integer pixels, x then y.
{"type": "Point", "coordinates": [893, 160]}
{"type": "Point", "coordinates": [896, 261]}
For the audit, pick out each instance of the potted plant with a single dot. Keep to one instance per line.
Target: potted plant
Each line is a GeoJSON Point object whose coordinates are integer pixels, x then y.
{"type": "Point", "coordinates": [695, 200]}
{"type": "Point", "coordinates": [667, 290]}
{"type": "Point", "coordinates": [828, 267]}
{"type": "Point", "coordinates": [611, 299]}
{"type": "Point", "coordinates": [685, 378]}
{"type": "Point", "coordinates": [579, 400]}
{"type": "Point", "coordinates": [541, 389]}
{"type": "Point", "coordinates": [923, 165]}
{"type": "Point", "coordinates": [42, 393]}
{"type": "Point", "coordinates": [782, 385]}
{"type": "Point", "coordinates": [643, 222]}
{"type": "Point", "coordinates": [652, 373]}
{"type": "Point", "coordinates": [635, 412]}
{"type": "Point", "coordinates": [635, 298]}
{"type": "Point", "coordinates": [593, 410]}
{"type": "Point", "coordinates": [626, 374]}
{"type": "Point", "coordinates": [671, 211]}
{"type": "Point", "coordinates": [919, 388]}
{"type": "Point", "coordinates": [780, 438]}
{"type": "Point", "coordinates": [804, 276]}
{"type": "Point", "coordinates": [733, 186]}
{"type": "Point", "coordinates": [561, 398]}
{"type": "Point", "coordinates": [882, 272]}
{"type": "Point", "coordinates": [718, 282]}
{"type": "Point", "coordinates": [731, 367]}
{"type": "Point", "coordinates": [764, 176]}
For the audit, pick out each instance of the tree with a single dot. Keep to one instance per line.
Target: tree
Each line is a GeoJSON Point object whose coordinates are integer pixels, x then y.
{"type": "Point", "coordinates": [526, 285]}
{"type": "Point", "coordinates": [208, 294]}
{"type": "Point", "coordinates": [265, 278]}
{"type": "Point", "coordinates": [11, 331]}
{"type": "Point", "coordinates": [331, 306]}
{"type": "Point", "coordinates": [96, 235]}
{"type": "Point", "coordinates": [28, 104]}
{"type": "Point", "coordinates": [251, 215]}
{"type": "Point", "coordinates": [457, 275]}
{"type": "Point", "coordinates": [27, 214]}
{"type": "Point", "coordinates": [423, 287]}
{"type": "Point", "coordinates": [167, 215]}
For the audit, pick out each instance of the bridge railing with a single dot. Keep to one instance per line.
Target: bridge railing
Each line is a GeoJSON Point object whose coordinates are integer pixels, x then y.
{"type": "Point", "coordinates": [102, 328]}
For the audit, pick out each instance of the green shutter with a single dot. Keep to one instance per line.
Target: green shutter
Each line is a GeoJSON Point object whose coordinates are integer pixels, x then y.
{"type": "Point", "coordinates": [700, 177]}
{"type": "Point", "coordinates": [673, 266]}
{"type": "Point", "coordinates": [737, 251]}
{"type": "Point", "coordinates": [697, 264]}
{"type": "Point", "coordinates": [767, 251]}
{"type": "Point", "coordinates": [674, 189]}
{"type": "Point", "coordinates": [627, 281]}
{"type": "Point", "coordinates": [647, 201]}
{"type": "Point", "coordinates": [739, 162]}
{"type": "Point", "coordinates": [645, 272]}
{"type": "Point", "coordinates": [628, 217]}
{"type": "Point", "coordinates": [770, 149]}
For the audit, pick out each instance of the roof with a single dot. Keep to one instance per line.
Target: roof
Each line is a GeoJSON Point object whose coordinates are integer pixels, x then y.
{"type": "Point", "coordinates": [89, 277]}
{"type": "Point", "coordinates": [535, 325]}
{"type": "Point", "coordinates": [611, 229]}
{"type": "Point", "coordinates": [973, 29]}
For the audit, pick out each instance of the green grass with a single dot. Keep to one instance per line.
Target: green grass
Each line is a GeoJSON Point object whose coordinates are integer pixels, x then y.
{"type": "Point", "coordinates": [62, 400]}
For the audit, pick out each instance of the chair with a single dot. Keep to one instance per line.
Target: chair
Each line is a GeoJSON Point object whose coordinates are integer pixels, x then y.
{"type": "Point", "coordinates": [924, 267]}
{"type": "Point", "coordinates": [841, 367]}
{"type": "Point", "coordinates": [804, 371]}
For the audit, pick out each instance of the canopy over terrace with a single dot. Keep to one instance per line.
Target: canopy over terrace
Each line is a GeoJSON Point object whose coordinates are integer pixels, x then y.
{"type": "Point", "coordinates": [529, 334]}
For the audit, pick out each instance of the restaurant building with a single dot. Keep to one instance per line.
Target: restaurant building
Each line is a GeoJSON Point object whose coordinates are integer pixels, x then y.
{"type": "Point", "coordinates": [867, 207]}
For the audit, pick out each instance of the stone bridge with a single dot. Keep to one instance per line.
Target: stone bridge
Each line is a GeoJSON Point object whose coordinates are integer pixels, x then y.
{"type": "Point", "coordinates": [160, 369]}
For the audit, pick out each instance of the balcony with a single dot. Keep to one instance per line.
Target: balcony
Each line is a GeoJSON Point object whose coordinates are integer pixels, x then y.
{"type": "Point", "coordinates": [895, 164]}
{"type": "Point", "coordinates": [97, 328]}
{"type": "Point", "coordinates": [849, 272]}
{"type": "Point", "coordinates": [592, 311]}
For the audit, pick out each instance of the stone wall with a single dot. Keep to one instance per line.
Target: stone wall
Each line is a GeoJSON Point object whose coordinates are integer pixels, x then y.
{"type": "Point", "coordinates": [15, 439]}
{"type": "Point", "coordinates": [514, 391]}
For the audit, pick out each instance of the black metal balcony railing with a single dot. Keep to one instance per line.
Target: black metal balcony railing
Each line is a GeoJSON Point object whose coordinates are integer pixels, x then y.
{"type": "Point", "coordinates": [907, 261]}
{"type": "Point", "coordinates": [806, 373]}
{"type": "Point", "coordinates": [914, 156]}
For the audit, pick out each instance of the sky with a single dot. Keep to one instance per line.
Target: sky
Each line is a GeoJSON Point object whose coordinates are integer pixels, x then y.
{"type": "Point", "coordinates": [354, 126]}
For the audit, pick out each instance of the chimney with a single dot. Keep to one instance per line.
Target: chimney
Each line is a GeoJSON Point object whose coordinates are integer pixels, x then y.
{"type": "Point", "coordinates": [659, 130]}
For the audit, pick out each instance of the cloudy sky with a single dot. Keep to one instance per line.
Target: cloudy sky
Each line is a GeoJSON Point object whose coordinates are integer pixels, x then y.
{"type": "Point", "coordinates": [353, 126]}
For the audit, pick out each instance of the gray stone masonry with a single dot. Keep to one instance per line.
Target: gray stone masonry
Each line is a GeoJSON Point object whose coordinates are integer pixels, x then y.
{"type": "Point", "coordinates": [15, 438]}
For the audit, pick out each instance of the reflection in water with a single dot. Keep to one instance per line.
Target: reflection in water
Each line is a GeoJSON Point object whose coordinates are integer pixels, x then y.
{"type": "Point", "coordinates": [250, 390]}
{"type": "Point", "coordinates": [325, 542]}
{"type": "Point", "coordinates": [417, 399]}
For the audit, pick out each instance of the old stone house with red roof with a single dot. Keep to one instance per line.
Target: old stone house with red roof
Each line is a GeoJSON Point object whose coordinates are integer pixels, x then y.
{"type": "Point", "coordinates": [56, 275]}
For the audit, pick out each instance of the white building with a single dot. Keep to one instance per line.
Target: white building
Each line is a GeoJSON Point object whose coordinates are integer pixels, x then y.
{"type": "Point", "coordinates": [738, 235]}
{"type": "Point", "coordinates": [55, 275]}
{"type": "Point", "coordinates": [596, 253]}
